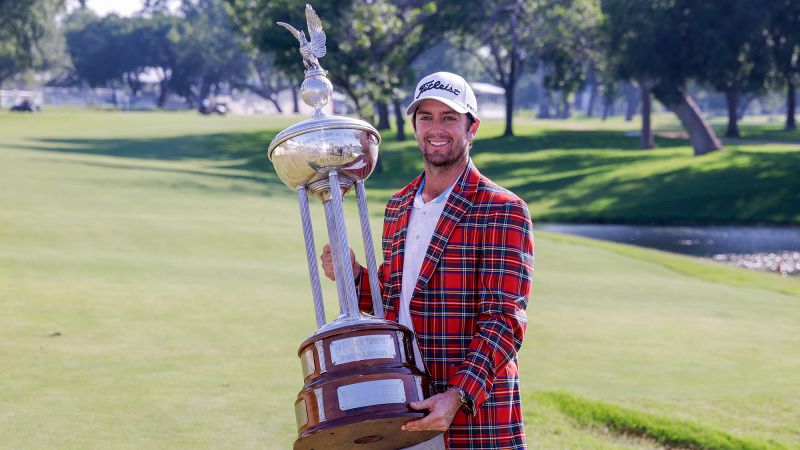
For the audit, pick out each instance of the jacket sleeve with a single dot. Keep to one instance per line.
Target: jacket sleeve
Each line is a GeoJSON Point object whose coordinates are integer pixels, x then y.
{"type": "Point", "coordinates": [505, 273]}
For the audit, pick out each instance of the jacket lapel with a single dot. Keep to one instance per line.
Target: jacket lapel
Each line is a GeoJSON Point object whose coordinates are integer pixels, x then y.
{"type": "Point", "coordinates": [459, 202]}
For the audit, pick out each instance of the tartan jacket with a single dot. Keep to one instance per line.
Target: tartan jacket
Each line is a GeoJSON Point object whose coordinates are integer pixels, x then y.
{"type": "Point", "coordinates": [468, 307]}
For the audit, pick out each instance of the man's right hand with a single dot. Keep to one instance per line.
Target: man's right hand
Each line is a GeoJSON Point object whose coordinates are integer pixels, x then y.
{"type": "Point", "coordinates": [327, 262]}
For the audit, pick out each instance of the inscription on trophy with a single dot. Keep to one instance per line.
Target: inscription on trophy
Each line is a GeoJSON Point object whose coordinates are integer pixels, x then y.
{"type": "Point", "coordinates": [360, 348]}
{"type": "Point", "coordinates": [370, 393]}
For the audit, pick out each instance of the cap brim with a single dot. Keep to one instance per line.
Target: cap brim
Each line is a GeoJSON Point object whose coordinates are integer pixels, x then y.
{"type": "Point", "coordinates": [455, 106]}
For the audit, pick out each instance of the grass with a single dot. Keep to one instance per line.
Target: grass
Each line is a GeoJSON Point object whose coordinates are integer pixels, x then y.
{"type": "Point", "coordinates": [153, 293]}
{"type": "Point", "coordinates": [665, 431]}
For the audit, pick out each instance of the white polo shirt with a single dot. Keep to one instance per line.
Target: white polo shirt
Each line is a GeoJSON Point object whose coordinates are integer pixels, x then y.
{"type": "Point", "coordinates": [421, 225]}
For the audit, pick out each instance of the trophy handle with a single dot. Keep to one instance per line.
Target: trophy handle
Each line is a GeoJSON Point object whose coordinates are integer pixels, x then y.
{"type": "Point", "coordinates": [369, 251]}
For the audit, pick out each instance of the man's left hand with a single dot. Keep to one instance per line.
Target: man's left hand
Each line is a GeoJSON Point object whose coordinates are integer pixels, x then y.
{"type": "Point", "coordinates": [442, 407]}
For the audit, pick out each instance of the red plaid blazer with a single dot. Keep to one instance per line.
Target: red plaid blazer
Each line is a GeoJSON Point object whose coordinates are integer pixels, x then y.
{"type": "Point", "coordinates": [468, 306]}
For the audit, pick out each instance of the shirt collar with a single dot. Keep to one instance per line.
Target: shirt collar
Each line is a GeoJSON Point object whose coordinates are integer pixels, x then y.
{"type": "Point", "coordinates": [418, 201]}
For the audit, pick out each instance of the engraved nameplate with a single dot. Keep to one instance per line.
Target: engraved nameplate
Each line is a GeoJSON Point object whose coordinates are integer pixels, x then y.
{"type": "Point", "coordinates": [370, 393]}
{"type": "Point", "coordinates": [307, 360]}
{"type": "Point", "coordinates": [300, 413]}
{"type": "Point", "coordinates": [359, 348]}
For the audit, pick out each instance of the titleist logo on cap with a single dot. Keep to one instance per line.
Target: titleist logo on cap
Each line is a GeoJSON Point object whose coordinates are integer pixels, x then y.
{"type": "Point", "coordinates": [436, 84]}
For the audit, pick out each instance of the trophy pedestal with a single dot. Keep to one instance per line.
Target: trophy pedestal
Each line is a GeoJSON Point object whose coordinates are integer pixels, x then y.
{"type": "Point", "coordinates": [359, 379]}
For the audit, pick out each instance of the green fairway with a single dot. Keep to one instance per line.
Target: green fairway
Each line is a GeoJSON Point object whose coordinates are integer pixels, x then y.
{"type": "Point", "coordinates": [154, 289]}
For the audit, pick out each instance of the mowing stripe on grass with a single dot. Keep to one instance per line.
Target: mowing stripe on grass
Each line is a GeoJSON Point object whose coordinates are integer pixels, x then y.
{"type": "Point", "coordinates": [691, 266]}
{"type": "Point", "coordinates": [665, 431]}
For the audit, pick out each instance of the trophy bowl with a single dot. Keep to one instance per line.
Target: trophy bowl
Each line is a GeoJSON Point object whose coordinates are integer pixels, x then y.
{"type": "Point", "coordinates": [304, 153]}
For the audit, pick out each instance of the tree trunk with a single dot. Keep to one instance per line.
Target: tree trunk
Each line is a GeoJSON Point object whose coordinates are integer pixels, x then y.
{"type": "Point", "coordinates": [383, 115]}
{"type": "Point", "coordinates": [592, 95]}
{"type": "Point", "coordinates": [544, 106]}
{"type": "Point", "coordinates": [509, 94]}
{"type": "Point", "coordinates": [162, 94]}
{"type": "Point", "coordinates": [646, 137]}
{"type": "Point", "coordinates": [732, 97]}
{"type": "Point", "coordinates": [741, 108]}
{"type": "Point", "coordinates": [400, 120]}
{"type": "Point", "coordinates": [632, 100]}
{"type": "Point", "coordinates": [701, 135]}
{"type": "Point", "coordinates": [790, 106]}
{"type": "Point", "coordinates": [565, 109]}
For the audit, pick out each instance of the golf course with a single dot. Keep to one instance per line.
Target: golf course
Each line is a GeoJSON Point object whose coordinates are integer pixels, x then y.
{"type": "Point", "coordinates": [154, 289]}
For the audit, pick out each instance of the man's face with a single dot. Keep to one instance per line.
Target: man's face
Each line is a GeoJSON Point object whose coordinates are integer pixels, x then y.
{"type": "Point", "coordinates": [443, 134]}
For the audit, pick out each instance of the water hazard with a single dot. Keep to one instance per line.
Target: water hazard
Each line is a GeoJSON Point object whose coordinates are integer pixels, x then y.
{"type": "Point", "coordinates": [772, 249]}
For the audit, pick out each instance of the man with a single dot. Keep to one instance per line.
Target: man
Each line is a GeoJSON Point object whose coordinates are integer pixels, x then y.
{"type": "Point", "coordinates": [457, 270]}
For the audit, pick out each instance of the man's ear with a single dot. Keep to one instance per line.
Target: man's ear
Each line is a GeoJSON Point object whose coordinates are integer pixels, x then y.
{"type": "Point", "coordinates": [473, 129]}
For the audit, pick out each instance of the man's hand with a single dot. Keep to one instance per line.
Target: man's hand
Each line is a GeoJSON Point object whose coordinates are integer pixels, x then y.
{"type": "Point", "coordinates": [442, 407]}
{"type": "Point", "coordinates": [327, 262]}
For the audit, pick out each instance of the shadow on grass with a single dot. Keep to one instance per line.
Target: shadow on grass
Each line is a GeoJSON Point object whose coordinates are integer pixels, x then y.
{"type": "Point", "coordinates": [569, 140]}
{"type": "Point", "coordinates": [239, 156]}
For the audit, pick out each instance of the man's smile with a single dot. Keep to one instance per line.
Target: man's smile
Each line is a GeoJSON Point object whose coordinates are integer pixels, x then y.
{"type": "Point", "coordinates": [438, 143]}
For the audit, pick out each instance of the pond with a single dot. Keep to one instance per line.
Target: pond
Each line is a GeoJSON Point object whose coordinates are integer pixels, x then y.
{"type": "Point", "coordinates": [774, 249]}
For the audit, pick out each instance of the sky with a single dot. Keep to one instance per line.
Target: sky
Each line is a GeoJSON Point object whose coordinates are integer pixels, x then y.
{"type": "Point", "coordinates": [121, 7]}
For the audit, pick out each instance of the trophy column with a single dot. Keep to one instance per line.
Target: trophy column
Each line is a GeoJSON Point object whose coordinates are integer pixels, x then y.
{"type": "Point", "coordinates": [359, 372]}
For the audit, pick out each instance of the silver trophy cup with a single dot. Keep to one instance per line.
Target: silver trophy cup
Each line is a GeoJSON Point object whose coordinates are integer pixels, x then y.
{"type": "Point", "coordinates": [359, 370]}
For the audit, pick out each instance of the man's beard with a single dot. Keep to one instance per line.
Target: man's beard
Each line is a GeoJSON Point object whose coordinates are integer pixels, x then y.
{"type": "Point", "coordinates": [455, 155]}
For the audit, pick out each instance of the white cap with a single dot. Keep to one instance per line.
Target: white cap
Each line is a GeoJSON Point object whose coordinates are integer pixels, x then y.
{"type": "Point", "coordinates": [448, 88]}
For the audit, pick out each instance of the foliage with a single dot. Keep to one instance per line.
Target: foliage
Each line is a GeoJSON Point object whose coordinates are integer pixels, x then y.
{"type": "Point", "coordinates": [573, 44]}
{"type": "Point", "coordinates": [370, 43]}
{"type": "Point", "coordinates": [25, 28]}
{"type": "Point", "coordinates": [658, 45]}
{"type": "Point", "coordinates": [194, 52]}
{"type": "Point", "coordinates": [784, 41]}
{"type": "Point", "coordinates": [517, 35]}
{"type": "Point", "coordinates": [209, 52]}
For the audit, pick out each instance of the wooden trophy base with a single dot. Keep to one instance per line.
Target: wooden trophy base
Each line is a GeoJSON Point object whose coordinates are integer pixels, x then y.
{"type": "Point", "coordinates": [372, 434]}
{"type": "Point", "coordinates": [359, 379]}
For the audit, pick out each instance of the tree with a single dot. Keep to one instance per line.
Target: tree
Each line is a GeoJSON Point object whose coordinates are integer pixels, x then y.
{"type": "Point", "coordinates": [784, 40]}
{"type": "Point", "coordinates": [23, 26]}
{"type": "Point", "coordinates": [653, 43]}
{"type": "Point", "coordinates": [570, 46]}
{"type": "Point", "coordinates": [371, 43]}
{"type": "Point", "coordinates": [733, 56]}
{"type": "Point", "coordinates": [196, 51]}
{"type": "Point", "coordinates": [263, 78]}
{"type": "Point", "coordinates": [101, 49]}
{"type": "Point", "coordinates": [209, 52]}
{"type": "Point", "coordinates": [507, 32]}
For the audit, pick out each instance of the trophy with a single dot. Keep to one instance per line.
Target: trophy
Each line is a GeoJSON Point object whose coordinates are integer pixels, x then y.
{"type": "Point", "coordinates": [359, 370]}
